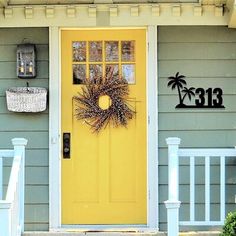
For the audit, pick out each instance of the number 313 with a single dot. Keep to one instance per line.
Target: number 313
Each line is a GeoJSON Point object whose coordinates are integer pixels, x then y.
{"type": "Point", "coordinates": [217, 93]}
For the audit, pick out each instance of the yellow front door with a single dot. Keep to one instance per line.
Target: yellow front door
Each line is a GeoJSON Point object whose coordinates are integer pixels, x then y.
{"type": "Point", "coordinates": [104, 179]}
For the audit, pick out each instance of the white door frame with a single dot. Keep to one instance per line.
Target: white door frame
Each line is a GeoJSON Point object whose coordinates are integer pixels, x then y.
{"type": "Point", "coordinates": [55, 131]}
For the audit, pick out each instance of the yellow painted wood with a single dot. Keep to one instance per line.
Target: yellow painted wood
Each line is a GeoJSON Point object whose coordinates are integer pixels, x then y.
{"type": "Point", "coordinates": [104, 182]}
{"type": "Point", "coordinates": [104, 102]}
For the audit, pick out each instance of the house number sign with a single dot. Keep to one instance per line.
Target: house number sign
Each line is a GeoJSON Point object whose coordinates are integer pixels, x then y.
{"type": "Point", "coordinates": [204, 98]}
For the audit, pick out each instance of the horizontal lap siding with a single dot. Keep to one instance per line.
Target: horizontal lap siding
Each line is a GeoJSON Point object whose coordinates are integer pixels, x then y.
{"type": "Point", "coordinates": [33, 127]}
{"type": "Point", "coordinates": [207, 57]}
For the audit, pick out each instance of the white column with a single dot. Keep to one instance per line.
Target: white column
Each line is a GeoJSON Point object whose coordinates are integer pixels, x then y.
{"type": "Point", "coordinates": [152, 128]}
{"type": "Point", "coordinates": [19, 146]}
{"type": "Point", "coordinates": [173, 203]}
{"type": "Point", "coordinates": [54, 129]}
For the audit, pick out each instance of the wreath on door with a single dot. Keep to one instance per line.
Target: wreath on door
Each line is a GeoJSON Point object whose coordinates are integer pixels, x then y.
{"type": "Point", "coordinates": [104, 101]}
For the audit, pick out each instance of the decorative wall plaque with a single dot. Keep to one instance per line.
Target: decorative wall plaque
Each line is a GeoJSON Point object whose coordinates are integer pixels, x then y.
{"type": "Point", "coordinates": [204, 98]}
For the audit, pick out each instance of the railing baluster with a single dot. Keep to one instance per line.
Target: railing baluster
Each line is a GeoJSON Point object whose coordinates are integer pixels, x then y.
{"type": "Point", "coordinates": [1, 176]}
{"type": "Point", "coordinates": [192, 189]}
{"type": "Point", "coordinates": [207, 188]}
{"type": "Point", "coordinates": [222, 188]}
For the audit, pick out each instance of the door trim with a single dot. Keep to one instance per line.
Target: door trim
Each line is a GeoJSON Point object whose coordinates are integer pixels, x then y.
{"type": "Point", "coordinates": [55, 131]}
{"type": "Point", "coordinates": [152, 130]}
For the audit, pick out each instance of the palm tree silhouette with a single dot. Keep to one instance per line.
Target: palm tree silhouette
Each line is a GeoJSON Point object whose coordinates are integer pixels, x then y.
{"type": "Point", "coordinates": [188, 92]}
{"type": "Point", "coordinates": [177, 81]}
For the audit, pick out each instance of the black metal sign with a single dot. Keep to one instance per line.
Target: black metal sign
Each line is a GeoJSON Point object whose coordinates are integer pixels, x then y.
{"type": "Point", "coordinates": [204, 98]}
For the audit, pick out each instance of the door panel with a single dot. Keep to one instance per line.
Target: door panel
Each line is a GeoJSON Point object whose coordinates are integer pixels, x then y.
{"type": "Point", "coordinates": [104, 181]}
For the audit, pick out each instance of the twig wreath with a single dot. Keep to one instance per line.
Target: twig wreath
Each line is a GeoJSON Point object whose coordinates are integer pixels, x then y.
{"type": "Point", "coordinates": [111, 89]}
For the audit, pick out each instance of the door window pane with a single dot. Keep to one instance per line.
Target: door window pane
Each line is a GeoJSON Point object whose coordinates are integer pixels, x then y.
{"type": "Point", "coordinates": [95, 51]}
{"type": "Point", "coordinates": [95, 71]}
{"type": "Point", "coordinates": [112, 70]}
{"type": "Point", "coordinates": [128, 73]}
{"type": "Point", "coordinates": [79, 51]}
{"type": "Point", "coordinates": [79, 74]}
{"type": "Point", "coordinates": [112, 51]}
{"type": "Point", "coordinates": [127, 50]}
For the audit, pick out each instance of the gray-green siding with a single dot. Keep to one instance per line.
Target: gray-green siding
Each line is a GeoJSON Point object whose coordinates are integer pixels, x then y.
{"type": "Point", "coordinates": [33, 127]}
{"type": "Point", "coordinates": [207, 57]}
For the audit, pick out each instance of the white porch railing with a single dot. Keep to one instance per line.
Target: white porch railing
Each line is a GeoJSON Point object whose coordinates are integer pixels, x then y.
{"type": "Point", "coordinates": [173, 203]}
{"type": "Point", "coordinates": [12, 207]}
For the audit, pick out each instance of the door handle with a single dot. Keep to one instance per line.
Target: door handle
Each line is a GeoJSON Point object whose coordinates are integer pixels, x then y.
{"type": "Point", "coordinates": [66, 145]}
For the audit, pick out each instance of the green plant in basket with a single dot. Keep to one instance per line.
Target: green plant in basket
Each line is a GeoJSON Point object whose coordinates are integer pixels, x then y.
{"type": "Point", "coordinates": [229, 228]}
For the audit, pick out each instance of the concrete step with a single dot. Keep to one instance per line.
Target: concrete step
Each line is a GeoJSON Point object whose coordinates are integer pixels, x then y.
{"type": "Point", "coordinates": [94, 233]}
{"type": "Point", "coordinates": [123, 233]}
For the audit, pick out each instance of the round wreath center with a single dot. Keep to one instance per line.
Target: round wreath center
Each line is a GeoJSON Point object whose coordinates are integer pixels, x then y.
{"type": "Point", "coordinates": [104, 102]}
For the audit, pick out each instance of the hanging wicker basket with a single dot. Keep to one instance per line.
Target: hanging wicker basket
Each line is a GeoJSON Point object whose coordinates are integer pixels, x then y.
{"type": "Point", "coordinates": [26, 99]}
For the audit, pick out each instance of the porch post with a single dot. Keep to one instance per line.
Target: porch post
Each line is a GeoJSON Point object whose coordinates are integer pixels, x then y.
{"type": "Point", "coordinates": [19, 146]}
{"type": "Point", "coordinates": [173, 203]}
{"type": "Point", "coordinates": [54, 129]}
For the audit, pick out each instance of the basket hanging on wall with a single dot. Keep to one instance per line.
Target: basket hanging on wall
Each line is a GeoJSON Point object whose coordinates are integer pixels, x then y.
{"type": "Point", "coordinates": [104, 101]}
{"type": "Point", "coordinates": [26, 99]}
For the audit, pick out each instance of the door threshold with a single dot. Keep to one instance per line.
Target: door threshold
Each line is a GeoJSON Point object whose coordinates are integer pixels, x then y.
{"type": "Point", "coordinates": [106, 229]}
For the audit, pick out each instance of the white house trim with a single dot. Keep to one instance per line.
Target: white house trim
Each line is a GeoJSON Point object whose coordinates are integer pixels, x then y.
{"type": "Point", "coordinates": [232, 13]}
{"type": "Point", "coordinates": [152, 127]}
{"type": "Point", "coordinates": [109, 15]}
{"type": "Point", "coordinates": [55, 129]}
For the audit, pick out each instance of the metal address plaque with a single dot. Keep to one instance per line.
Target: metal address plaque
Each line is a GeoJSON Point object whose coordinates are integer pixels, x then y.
{"type": "Point", "coordinates": [204, 98]}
